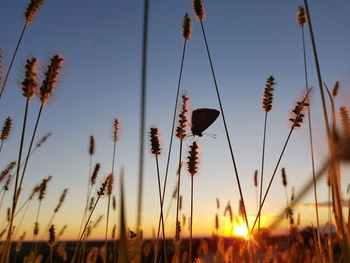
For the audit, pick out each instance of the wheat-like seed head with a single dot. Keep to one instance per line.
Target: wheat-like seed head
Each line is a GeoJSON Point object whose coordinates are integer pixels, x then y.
{"type": "Point", "coordinates": [217, 203]}
{"type": "Point", "coordinates": [187, 27]}
{"type": "Point", "coordinates": [114, 203]}
{"type": "Point", "coordinates": [7, 171]}
{"type": "Point", "coordinates": [193, 159]}
{"type": "Point", "coordinates": [95, 173]}
{"type": "Point", "coordinates": [284, 177]}
{"type": "Point", "coordinates": [183, 121]}
{"type": "Point", "coordinates": [256, 178]}
{"type": "Point", "coordinates": [241, 209]}
{"type": "Point", "coordinates": [29, 84]}
{"type": "Point", "coordinates": [335, 88]}
{"type": "Point", "coordinates": [36, 229]}
{"type": "Point", "coordinates": [6, 129]}
{"type": "Point", "coordinates": [7, 183]}
{"type": "Point", "coordinates": [43, 187]}
{"type": "Point", "coordinates": [268, 94]}
{"type": "Point", "coordinates": [61, 200]}
{"type": "Point", "coordinates": [8, 214]}
{"type": "Point", "coordinates": [228, 210]}
{"type": "Point", "coordinates": [114, 230]}
{"type": "Point", "coordinates": [102, 190]}
{"type": "Point", "coordinates": [47, 87]}
{"type": "Point", "coordinates": [32, 9]}
{"type": "Point", "coordinates": [116, 129]}
{"type": "Point", "coordinates": [155, 141]}
{"type": "Point", "coordinates": [216, 221]}
{"type": "Point", "coordinates": [177, 231]}
{"type": "Point", "coordinates": [301, 18]}
{"type": "Point", "coordinates": [91, 204]}
{"type": "Point", "coordinates": [110, 181]}
{"type": "Point", "coordinates": [43, 139]}
{"type": "Point", "coordinates": [298, 113]}
{"type": "Point", "coordinates": [92, 145]}
{"type": "Point", "coordinates": [52, 235]}
{"type": "Point", "coordinates": [345, 121]}
{"type": "Point", "coordinates": [198, 9]}
{"type": "Point", "coordinates": [98, 221]}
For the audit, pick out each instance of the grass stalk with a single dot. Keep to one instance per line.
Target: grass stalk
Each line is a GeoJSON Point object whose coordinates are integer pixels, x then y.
{"type": "Point", "coordinates": [225, 125]}
{"type": "Point", "coordinates": [3, 86]}
{"type": "Point", "coordinates": [6, 252]}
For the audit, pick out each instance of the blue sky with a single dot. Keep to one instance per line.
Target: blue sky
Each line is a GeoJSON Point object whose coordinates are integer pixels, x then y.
{"type": "Point", "coordinates": [101, 44]}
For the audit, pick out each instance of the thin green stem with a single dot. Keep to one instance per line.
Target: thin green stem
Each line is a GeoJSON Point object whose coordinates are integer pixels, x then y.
{"type": "Point", "coordinates": [225, 125]}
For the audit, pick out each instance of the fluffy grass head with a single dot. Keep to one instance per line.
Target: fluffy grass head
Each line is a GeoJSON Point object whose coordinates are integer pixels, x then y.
{"type": "Point", "coordinates": [335, 89]}
{"type": "Point", "coordinates": [6, 129]}
{"type": "Point", "coordinates": [284, 177]}
{"type": "Point", "coordinates": [301, 18]}
{"type": "Point", "coordinates": [193, 159]}
{"type": "Point", "coordinates": [95, 173]}
{"type": "Point", "coordinates": [92, 145]}
{"type": "Point", "coordinates": [32, 9]}
{"type": "Point", "coordinates": [50, 79]}
{"type": "Point", "coordinates": [155, 141]}
{"type": "Point", "coordinates": [268, 94]}
{"type": "Point", "coordinates": [187, 27]}
{"type": "Point", "coordinates": [298, 112]}
{"type": "Point", "coordinates": [116, 129]}
{"type": "Point", "coordinates": [198, 9]}
{"type": "Point", "coordinates": [183, 117]}
{"type": "Point", "coordinates": [29, 84]}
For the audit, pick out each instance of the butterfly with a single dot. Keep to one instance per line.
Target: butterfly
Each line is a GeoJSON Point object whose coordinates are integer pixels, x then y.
{"type": "Point", "coordinates": [201, 119]}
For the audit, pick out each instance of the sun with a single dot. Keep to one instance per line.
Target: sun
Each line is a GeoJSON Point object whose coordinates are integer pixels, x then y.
{"type": "Point", "coordinates": [240, 230]}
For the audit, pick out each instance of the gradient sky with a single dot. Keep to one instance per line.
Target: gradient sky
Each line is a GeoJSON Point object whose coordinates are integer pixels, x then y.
{"type": "Point", "coordinates": [101, 44]}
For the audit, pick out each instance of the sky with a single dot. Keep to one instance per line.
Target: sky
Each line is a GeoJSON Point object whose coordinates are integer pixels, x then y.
{"type": "Point", "coordinates": [100, 80]}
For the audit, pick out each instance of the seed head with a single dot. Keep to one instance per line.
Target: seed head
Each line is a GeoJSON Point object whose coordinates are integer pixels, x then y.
{"type": "Point", "coordinates": [228, 210]}
{"type": "Point", "coordinates": [217, 203]}
{"type": "Point", "coordinates": [36, 229]}
{"type": "Point", "coordinates": [6, 129]}
{"type": "Point", "coordinates": [256, 178]}
{"type": "Point", "coordinates": [193, 159]}
{"type": "Point", "coordinates": [52, 235]}
{"type": "Point", "coordinates": [32, 9]}
{"type": "Point", "coordinates": [187, 27]}
{"type": "Point", "coordinates": [284, 177]}
{"type": "Point", "coordinates": [102, 190]}
{"type": "Point", "coordinates": [43, 140]}
{"type": "Point", "coordinates": [7, 183]}
{"type": "Point", "coordinates": [335, 89]}
{"type": "Point", "coordinates": [92, 202]}
{"type": "Point", "coordinates": [298, 113]}
{"type": "Point", "coordinates": [43, 187]}
{"type": "Point", "coordinates": [116, 128]}
{"type": "Point", "coordinates": [301, 19]}
{"type": "Point", "coordinates": [114, 203]}
{"type": "Point", "coordinates": [345, 121]}
{"type": "Point", "coordinates": [155, 141]}
{"type": "Point", "coordinates": [268, 94]}
{"type": "Point", "coordinates": [7, 171]}
{"type": "Point", "coordinates": [198, 9]}
{"type": "Point", "coordinates": [183, 121]}
{"type": "Point", "coordinates": [241, 209]}
{"type": "Point", "coordinates": [92, 145]}
{"type": "Point", "coordinates": [95, 173]}
{"type": "Point", "coordinates": [61, 200]}
{"type": "Point", "coordinates": [110, 180]}
{"type": "Point", "coordinates": [46, 89]}
{"type": "Point", "coordinates": [29, 84]}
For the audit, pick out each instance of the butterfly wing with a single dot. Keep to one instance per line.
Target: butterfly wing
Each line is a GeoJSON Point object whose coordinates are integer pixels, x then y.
{"type": "Point", "coordinates": [202, 119]}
